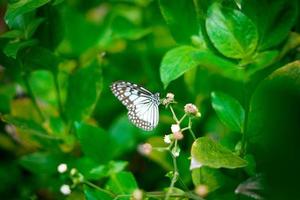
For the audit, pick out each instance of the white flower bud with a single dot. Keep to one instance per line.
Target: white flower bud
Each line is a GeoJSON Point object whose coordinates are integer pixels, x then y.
{"type": "Point", "coordinates": [201, 190]}
{"type": "Point", "coordinates": [137, 194]}
{"type": "Point", "coordinates": [145, 149]}
{"type": "Point", "coordinates": [62, 168]}
{"type": "Point", "coordinates": [65, 189]}
{"type": "Point", "coordinates": [175, 128]}
{"type": "Point", "coordinates": [167, 139]}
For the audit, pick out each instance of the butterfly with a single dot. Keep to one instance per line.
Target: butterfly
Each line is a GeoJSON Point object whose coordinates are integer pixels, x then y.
{"type": "Point", "coordinates": [142, 105]}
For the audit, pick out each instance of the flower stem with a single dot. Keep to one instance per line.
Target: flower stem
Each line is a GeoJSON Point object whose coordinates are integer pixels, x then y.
{"type": "Point", "coordinates": [188, 194]}
{"type": "Point", "coordinates": [175, 174]}
{"type": "Point", "coordinates": [182, 118]}
{"type": "Point", "coordinates": [174, 116]}
{"type": "Point", "coordinates": [190, 129]}
{"type": "Point", "coordinates": [98, 188]}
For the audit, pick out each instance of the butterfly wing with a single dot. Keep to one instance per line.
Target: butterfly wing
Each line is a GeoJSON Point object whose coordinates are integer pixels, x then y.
{"type": "Point", "coordinates": [144, 116]}
{"type": "Point", "coordinates": [141, 104]}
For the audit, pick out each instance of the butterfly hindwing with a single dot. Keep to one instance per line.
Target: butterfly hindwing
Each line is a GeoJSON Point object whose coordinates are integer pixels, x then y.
{"type": "Point", "coordinates": [142, 105]}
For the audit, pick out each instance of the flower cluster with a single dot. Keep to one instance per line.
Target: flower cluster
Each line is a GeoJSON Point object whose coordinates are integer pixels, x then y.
{"type": "Point", "coordinates": [172, 139]}
{"type": "Point", "coordinates": [177, 134]}
{"type": "Point", "coordinates": [168, 100]}
{"type": "Point", "coordinates": [192, 110]}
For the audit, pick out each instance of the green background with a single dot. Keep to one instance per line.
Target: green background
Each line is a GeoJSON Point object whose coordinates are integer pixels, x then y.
{"type": "Point", "coordinates": [236, 60]}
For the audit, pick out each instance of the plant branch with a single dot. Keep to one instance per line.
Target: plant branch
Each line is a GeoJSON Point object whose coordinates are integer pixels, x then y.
{"type": "Point", "coordinates": [98, 188]}
{"type": "Point", "coordinates": [190, 129]}
{"type": "Point", "coordinates": [182, 118]}
{"type": "Point", "coordinates": [174, 116]}
{"type": "Point", "coordinates": [175, 173]}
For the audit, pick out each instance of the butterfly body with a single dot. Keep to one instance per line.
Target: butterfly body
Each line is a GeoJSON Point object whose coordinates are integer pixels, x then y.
{"type": "Point", "coordinates": [142, 105]}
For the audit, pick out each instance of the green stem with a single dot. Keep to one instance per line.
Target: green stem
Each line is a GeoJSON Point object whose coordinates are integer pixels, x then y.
{"type": "Point", "coordinates": [175, 174]}
{"type": "Point", "coordinates": [184, 129]}
{"type": "Point", "coordinates": [182, 118]}
{"type": "Point", "coordinates": [190, 129]}
{"type": "Point", "coordinates": [98, 188]}
{"type": "Point", "coordinates": [159, 194]}
{"type": "Point", "coordinates": [174, 116]}
{"type": "Point", "coordinates": [198, 12]}
{"type": "Point", "coordinates": [45, 136]}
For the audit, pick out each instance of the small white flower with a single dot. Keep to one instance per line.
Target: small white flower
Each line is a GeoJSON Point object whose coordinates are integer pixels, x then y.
{"type": "Point", "coordinates": [170, 96]}
{"type": "Point", "coordinates": [137, 194]}
{"type": "Point", "coordinates": [65, 189]}
{"type": "Point", "coordinates": [167, 139]}
{"type": "Point", "coordinates": [175, 128]}
{"type": "Point", "coordinates": [62, 168]}
{"type": "Point", "coordinates": [169, 99]}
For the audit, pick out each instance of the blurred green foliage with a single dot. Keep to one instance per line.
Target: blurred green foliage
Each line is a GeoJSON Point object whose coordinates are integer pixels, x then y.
{"type": "Point", "coordinates": [236, 60]}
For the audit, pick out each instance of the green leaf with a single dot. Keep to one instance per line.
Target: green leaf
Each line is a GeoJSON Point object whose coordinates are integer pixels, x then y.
{"type": "Point", "coordinates": [273, 27]}
{"type": "Point", "coordinates": [231, 32]}
{"type": "Point", "coordinates": [43, 86]}
{"type": "Point", "coordinates": [12, 48]}
{"type": "Point", "coordinates": [179, 60]}
{"type": "Point", "coordinates": [182, 24]}
{"type": "Point", "coordinates": [124, 133]}
{"type": "Point", "coordinates": [39, 58]}
{"type": "Point", "coordinates": [292, 42]}
{"type": "Point", "coordinates": [41, 163]}
{"type": "Point", "coordinates": [207, 152]}
{"type": "Point", "coordinates": [84, 88]}
{"type": "Point", "coordinates": [94, 194]}
{"type": "Point", "coordinates": [122, 183]}
{"type": "Point", "coordinates": [21, 7]}
{"type": "Point", "coordinates": [33, 130]}
{"type": "Point", "coordinates": [32, 26]}
{"type": "Point", "coordinates": [12, 34]}
{"type": "Point", "coordinates": [273, 105]}
{"type": "Point", "coordinates": [273, 128]}
{"type": "Point", "coordinates": [262, 60]}
{"type": "Point", "coordinates": [95, 142]}
{"type": "Point", "coordinates": [113, 167]}
{"type": "Point", "coordinates": [210, 177]}
{"type": "Point", "coordinates": [229, 111]}
{"type": "Point", "coordinates": [23, 124]}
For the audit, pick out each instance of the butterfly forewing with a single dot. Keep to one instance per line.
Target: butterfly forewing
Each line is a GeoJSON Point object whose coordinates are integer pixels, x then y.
{"type": "Point", "coordinates": [142, 105]}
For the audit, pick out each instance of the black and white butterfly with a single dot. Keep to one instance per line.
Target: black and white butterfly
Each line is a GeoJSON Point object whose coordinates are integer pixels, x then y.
{"type": "Point", "coordinates": [142, 105]}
